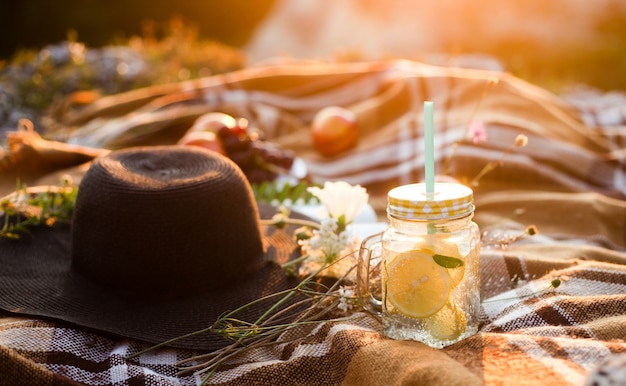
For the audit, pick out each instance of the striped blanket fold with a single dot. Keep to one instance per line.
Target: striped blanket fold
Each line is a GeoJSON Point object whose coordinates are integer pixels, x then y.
{"type": "Point", "coordinates": [553, 305]}
{"type": "Point", "coordinates": [575, 144]}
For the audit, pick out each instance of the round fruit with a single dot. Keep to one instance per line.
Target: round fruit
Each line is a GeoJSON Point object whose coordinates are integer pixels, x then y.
{"type": "Point", "coordinates": [259, 160]}
{"type": "Point", "coordinates": [334, 130]}
{"type": "Point", "coordinates": [416, 285]}
{"type": "Point", "coordinates": [213, 122]}
{"type": "Point", "coordinates": [203, 139]}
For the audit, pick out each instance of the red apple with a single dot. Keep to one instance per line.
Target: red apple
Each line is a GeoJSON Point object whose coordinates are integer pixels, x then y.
{"type": "Point", "coordinates": [204, 139]}
{"type": "Point", "coordinates": [334, 130]}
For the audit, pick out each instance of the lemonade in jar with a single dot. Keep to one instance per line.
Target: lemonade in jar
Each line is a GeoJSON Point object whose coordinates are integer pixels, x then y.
{"type": "Point", "coordinates": [428, 265]}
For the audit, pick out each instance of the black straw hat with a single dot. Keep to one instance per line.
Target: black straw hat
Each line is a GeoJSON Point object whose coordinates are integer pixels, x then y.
{"type": "Point", "coordinates": [163, 241]}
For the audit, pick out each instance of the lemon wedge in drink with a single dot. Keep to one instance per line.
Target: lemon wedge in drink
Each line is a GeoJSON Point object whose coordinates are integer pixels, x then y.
{"type": "Point", "coordinates": [448, 323]}
{"type": "Point", "coordinates": [416, 285]}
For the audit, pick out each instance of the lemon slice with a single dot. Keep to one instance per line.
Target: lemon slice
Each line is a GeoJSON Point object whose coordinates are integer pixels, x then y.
{"type": "Point", "coordinates": [416, 285]}
{"type": "Point", "coordinates": [448, 323]}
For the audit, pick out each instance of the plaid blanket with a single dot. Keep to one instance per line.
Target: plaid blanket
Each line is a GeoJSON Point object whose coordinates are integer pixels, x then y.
{"type": "Point", "coordinates": [575, 144]}
{"type": "Point", "coordinates": [531, 333]}
{"type": "Point", "coordinates": [569, 182]}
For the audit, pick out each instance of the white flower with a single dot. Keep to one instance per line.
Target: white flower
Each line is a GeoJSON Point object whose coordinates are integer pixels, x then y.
{"type": "Point", "coordinates": [345, 298]}
{"type": "Point", "coordinates": [332, 245]}
{"type": "Point", "coordinates": [328, 249]}
{"type": "Point", "coordinates": [326, 244]}
{"type": "Point", "coordinates": [341, 199]}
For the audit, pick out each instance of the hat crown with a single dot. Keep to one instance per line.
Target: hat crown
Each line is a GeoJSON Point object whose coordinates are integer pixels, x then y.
{"type": "Point", "coordinates": [165, 222]}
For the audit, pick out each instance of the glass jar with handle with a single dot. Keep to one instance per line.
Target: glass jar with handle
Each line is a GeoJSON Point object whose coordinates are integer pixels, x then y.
{"type": "Point", "coordinates": [422, 275]}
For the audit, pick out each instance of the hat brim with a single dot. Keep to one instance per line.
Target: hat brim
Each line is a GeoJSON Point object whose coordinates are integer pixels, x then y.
{"type": "Point", "coordinates": [42, 284]}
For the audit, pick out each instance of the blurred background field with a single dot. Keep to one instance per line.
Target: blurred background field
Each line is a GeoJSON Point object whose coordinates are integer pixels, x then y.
{"type": "Point", "coordinates": [52, 48]}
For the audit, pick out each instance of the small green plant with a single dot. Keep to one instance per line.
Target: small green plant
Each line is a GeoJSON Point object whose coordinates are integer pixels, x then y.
{"type": "Point", "coordinates": [29, 208]}
{"type": "Point", "coordinates": [283, 192]}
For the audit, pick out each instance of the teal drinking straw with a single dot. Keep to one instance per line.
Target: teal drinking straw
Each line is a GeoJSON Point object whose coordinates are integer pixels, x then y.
{"type": "Point", "coordinates": [429, 156]}
{"type": "Point", "coordinates": [429, 149]}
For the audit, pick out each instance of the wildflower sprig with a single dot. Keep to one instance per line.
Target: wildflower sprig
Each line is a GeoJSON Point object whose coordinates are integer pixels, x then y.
{"type": "Point", "coordinates": [502, 240]}
{"type": "Point", "coordinates": [476, 132]}
{"type": "Point", "coordinates": [323, 242]}
{"type": "Point", "coordinates": [475, 129]}
{"type": "Point", "coordinates": [520, 141]}
{"type": "Point", "coordinates": [42, 206]}
{"type": "Point", "coordinates": [341, 203]}
{"type": "Point", "coordinates": [552, 285]}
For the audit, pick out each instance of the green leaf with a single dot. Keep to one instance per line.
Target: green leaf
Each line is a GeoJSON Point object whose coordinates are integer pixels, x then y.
{"type": "Point", "coordinates": [268, 191]}
{"type": "Point", "coordinates": [448, 261]}
{"type": "Point", "coordinates": [300, 192]}
{"type": "Point", "coordinates": [259, 191]}
{"type": "Point", "coordinates": [284, 194]}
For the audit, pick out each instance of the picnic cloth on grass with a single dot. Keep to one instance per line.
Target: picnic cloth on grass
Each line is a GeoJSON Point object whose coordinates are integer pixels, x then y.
{"type": "Point", "coordinates": [569, 182]}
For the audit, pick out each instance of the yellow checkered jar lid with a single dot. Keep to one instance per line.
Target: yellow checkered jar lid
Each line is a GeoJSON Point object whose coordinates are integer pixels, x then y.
{"type": "Point", "coordinates": [412, 202]}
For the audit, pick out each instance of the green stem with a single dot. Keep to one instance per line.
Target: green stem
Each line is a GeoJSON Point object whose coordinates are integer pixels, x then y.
{"type": "Point", "coordinates": [431, 228]}
{"type": "Point", "coordinates": [275, 306]}
{"type": "Point", "coordinates": [170, 341]}
{"type": "Point", "coordinates": [292, 263]}
{"type": "Point", "coordinates": [293, 221]}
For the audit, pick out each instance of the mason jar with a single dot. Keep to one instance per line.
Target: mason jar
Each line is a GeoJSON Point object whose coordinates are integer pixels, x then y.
{"type": "Point", "coordinates": [430, 265]}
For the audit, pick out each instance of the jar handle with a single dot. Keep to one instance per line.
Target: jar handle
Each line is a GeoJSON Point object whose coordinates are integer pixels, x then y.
{"type": "Point", "coordinates": [369, 279]}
